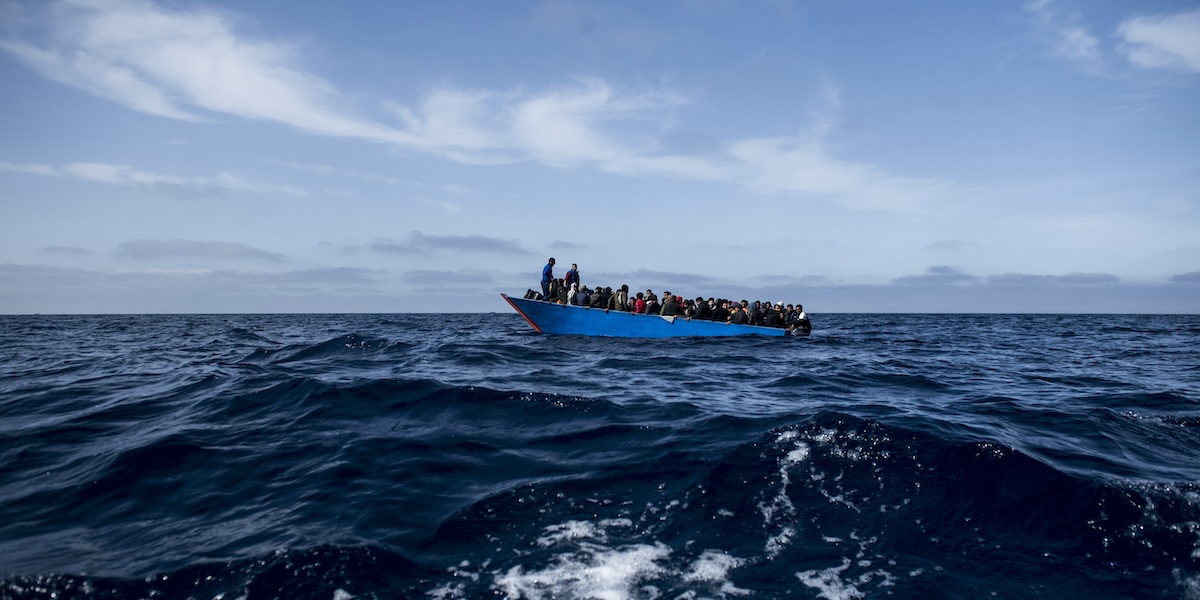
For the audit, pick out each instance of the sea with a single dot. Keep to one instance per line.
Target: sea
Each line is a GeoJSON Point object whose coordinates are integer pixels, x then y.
{"type": "Point", "coordinates": [354, 456]}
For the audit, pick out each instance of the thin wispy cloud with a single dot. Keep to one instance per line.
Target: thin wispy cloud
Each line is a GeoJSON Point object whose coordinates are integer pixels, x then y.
{"type": "Point", "coordinates": [434, 278]}
{"type": "Point", "coordinates": [185, 64]}
{"type": "Point", "coordinates": [1067, 36]}
{"type": "Point", "coordinates": [66, 251]}
{"type": "Point", "coordinates": [194, 64]}
{"type": "Point", "coordinates": [661, 277]}
{"type": "Point", "coordinates": [32, 169]}
{"type": "Point", "coordinates": [1068, 279]}
{"type": "Point", "coordinates": [332, 171]}
{"type": "Point", "coordinates": [1163, 41]}
{"type": "Point", "coordinates": [938, 275]}
{"type": "Point", "coordinates": [450, 207]}
{"type": "Point", "coordinates": [420, 243]}
{"type": "Point", "coordinates": [153, 249]}
{"type": "Point", "coordinates": [950, 245]}
{"type": "Point", "coordinates": [123, 175]}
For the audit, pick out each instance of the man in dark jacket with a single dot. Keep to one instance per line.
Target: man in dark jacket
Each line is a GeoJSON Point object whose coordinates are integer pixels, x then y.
{"type": "Point", "coordinates": [721, 312]}
{"type": "Point", "coordinates": [773, 316]}
{"type": "Point", "coordinates": [739, 316]}
{"type": "Point", "coordinates": [572, 276]}
{"type": "Point", "coordinates": [670, 307]}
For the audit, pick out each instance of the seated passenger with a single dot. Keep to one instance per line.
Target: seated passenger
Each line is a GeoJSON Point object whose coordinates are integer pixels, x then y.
{"type": "Point", "coordinates": [670, 307]}
{"type": "Point", "coordinates": [639, 305]}
{"type": "Point", "coordinates": [721, 312]}
{"type": "Point", "coordinates": [773, 316]}
{"type": "Point", "coordinates": [598, 299]}
{"type": "Point", "coordinates": [799, 322]}
{"type": "Point", "coordinates": [690, 310]}
{"type": "Point", "coordinates": [652, 305]}
{"type": "Point", "coordinates": [621, 298]}
{"type": "Point", "coordinates": [562, 292]}
{"type": "Point", "coordinates": [739, 316]}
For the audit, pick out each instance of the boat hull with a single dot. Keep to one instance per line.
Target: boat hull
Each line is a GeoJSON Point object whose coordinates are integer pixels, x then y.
{"type": "Point", "coordinates": [548, 317]}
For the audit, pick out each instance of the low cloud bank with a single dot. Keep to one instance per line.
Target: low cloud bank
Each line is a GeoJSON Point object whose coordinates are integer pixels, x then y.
{"type": "Point", "coordinates": [57, 290]}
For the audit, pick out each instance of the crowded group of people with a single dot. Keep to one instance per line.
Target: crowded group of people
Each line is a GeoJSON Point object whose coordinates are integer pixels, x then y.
{"type": "Point", "coordinates": [569, 290]}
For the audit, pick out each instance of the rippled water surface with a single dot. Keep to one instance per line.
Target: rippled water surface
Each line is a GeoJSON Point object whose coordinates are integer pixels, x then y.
{"type": "Point", "coordinates": [446, 456]}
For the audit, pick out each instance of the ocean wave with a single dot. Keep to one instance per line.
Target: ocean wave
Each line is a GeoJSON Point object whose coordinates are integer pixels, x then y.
{"type": "Point", "coordinates": [401, 456]}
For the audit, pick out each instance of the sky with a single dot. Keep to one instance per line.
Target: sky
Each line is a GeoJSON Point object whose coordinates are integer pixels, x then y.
{"type": "Point", "coordinates": [390, 157]}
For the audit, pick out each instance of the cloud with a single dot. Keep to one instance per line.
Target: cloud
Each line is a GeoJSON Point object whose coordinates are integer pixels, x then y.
{"type": "Point", "coordinates": [432, 278]}
{"type": "Point", "coordinates": [152, 249]}
{"type": "Point", "coordinates": [182, 64]}
{"type": "Point", "coordinates": [32, 169]}
{"type": "Point", "coordinates": [328, 170]}
{"type": "Point", "coordinates": [420, 243]}
{"type": "Point", "coordinates": [193, 64]}
{"type": "Point", "coordinates": [66, 250]}
{"type": "Point", "coordinates": [950, 245]}
{"type": "Point", "coordinates": [331, 171]}
{"type": "Point", "coordinates": [1068, 279]}
{"type": "Point", "coordinates": [1163, 41]}
{"type": "Point", "coordinates": [48, 289]}
{"type": "Point", "coordinates": [450, 207]}
{"type": "Point", "coordinates": [325, 275]}
{"type": "Point", "coordinates": [649, 277]}
{"type": "Point", "coordinates": [1068, 38]}
{"type": "Point", "coordinates": [564, 245]}
{"type": "Point", "coordinates": [126, 176]}
{"type": "Point", "coordinates": [939, 275]}
{"type": "Point", "coordinates": [102, 78]}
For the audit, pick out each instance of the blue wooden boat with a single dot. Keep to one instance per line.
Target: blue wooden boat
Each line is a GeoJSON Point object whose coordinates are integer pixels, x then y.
{"type": "Point", "coordinates": [550, 317]}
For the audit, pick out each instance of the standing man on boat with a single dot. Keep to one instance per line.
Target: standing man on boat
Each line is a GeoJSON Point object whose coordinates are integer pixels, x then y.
{"type": "Point", "coordinates": [572, 276]}
{"type": "Point", "coordinates": [547, 277]}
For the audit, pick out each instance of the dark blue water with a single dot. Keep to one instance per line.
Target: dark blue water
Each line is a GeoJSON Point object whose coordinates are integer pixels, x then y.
{"type": "Point", "coordinates": [447, 456]}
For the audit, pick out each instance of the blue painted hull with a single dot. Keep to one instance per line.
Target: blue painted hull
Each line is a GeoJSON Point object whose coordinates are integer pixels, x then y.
{"type": "Point", "coordinates": [548, 317]}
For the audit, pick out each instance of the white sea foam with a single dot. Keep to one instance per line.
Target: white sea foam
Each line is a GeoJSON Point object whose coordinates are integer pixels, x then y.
{"type": "Point", "coordinates": [714, 566]}
{"type": "Point", "coordinates": [591, 568]}
{"type": "Point", "coordinates": [787, 436]}
{"type": "Point", "coordinates": [593, 572]}
{"type": "Point", "coordinates": [577, 530]}
{"type": "Point", "coordinates": [831, 585]}
{"type": "Point", "coordinates": [800, 454]}
{"type": "Point", "coordinates": [776, 543]}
